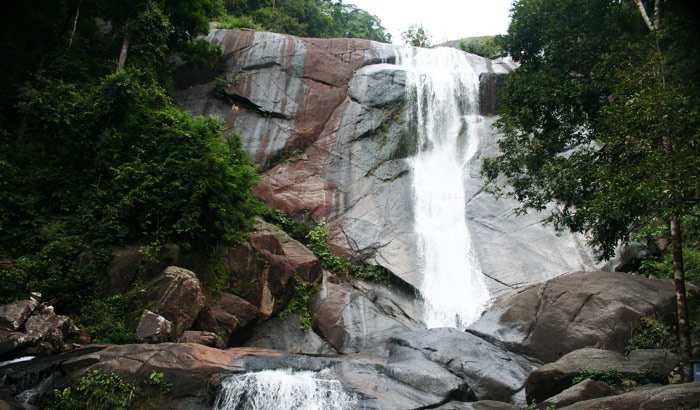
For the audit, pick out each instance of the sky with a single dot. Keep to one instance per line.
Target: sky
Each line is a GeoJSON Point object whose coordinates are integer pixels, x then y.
{"type": "Point", "coordinates": [443, 19]}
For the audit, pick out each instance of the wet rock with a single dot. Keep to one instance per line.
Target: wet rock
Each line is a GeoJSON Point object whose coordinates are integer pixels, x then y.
{"type": "Point", "coordinates": [586, 390]}
{"type": "Point", "coordinates": [671, 397]}
{"type": "Point", "coordinates": [287, 336]}
{"type": "Point", "coordinates": [348, 319]}
{"type": "Point", "coordinates": [153, 328]}
{"type": "Point", "coordinates": [583, 309]}
{"type": "Point", "coordinates": [490, 372]}
{"type": "Point", "coordinates": [553, 378]}
{"type": "Point", "coordinates": [13, 315]}
{"type": "Point", "coordinates": [203, 338]}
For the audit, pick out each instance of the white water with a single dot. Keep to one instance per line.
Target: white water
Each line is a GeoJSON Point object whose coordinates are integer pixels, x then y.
{"type": "Point", "coordinates": [282, 390]}
{"type": "Point", "coordinates": [442, 107]}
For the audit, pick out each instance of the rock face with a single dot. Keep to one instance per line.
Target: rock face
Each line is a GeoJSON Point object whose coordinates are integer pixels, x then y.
{"type": "Point", "coordinates": [586, 390]}
{"type": "Point", "coordinates": [153, 328]}
{"type": "Point", "coordinates": [353, 319]}
{"type": "Point", "coordinates": [324, 119]}
{"type": "Point", "coordinates": [553, 378]}
{"type": "Point", "coordinates": [582, 309]}
{"type": "Point", "coordinates": [287, 336]}
{"type": "Point", "coordinates": [678, 396]}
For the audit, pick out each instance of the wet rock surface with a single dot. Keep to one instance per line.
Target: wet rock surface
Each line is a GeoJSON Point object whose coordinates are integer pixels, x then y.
{"type": "Point", "coordinates": [324, 120]}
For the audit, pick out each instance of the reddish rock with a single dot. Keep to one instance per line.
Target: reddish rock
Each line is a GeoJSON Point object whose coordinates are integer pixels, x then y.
{"type": "Point", "coordinates": [13, 315]}
{"type": "Point", "coordinates": [228, 325]}
{"type": "Point", "coordinates": [206, 320]}
{"type": "Point", "coordinates": [244, 312]}
{"type": "Point", "coordinates": [180, 298]}
{"type": "Point", "coordinates": [203, 338]}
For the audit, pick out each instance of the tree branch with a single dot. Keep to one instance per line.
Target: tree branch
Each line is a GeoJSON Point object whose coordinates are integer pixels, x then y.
{"type": "Point", "coordinates": [645, 16]}
{"type": "Point", "coordinates": [657, 15]}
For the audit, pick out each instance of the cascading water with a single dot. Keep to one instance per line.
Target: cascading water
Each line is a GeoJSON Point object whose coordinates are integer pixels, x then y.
{"type": "Point", "coordinates": [281, 390]}
{"type": "Point", "coordinates": [442, 108]}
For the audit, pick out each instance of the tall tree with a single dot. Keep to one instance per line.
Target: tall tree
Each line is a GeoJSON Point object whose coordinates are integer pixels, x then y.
{"type": "Point", "coordinates": [602, 117]}
{"type": "Point", "coordinates": [416, 36]}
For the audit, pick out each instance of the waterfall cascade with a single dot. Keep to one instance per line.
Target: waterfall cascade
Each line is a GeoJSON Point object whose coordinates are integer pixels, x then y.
{"type": "Point", "coordinates": [282, 389]}
{"type": "Point", "coordinates": [442, 109]}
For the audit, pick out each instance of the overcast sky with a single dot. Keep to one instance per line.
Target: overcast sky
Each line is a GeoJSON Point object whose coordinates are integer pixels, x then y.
{"type": "Point", "coordinates": [442, 19]}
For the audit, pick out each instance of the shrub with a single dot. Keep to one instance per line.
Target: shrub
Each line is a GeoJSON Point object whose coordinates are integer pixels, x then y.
{"type": "Point", "coordinates": [96, 390]}
{"type": "Point", "coordinates": [301, 301]}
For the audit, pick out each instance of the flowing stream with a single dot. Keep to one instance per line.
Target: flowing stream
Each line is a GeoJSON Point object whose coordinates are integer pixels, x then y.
{"type": "Point", "coordinates": [442, 104]}
{"type": "Point", "coordinates": [283, 390]}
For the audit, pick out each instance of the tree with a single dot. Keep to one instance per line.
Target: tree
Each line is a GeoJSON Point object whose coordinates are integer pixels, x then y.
{"type": "Point", "coordinates": [602, 118]}
{"type": "Point", "coordinates": [416, 36]}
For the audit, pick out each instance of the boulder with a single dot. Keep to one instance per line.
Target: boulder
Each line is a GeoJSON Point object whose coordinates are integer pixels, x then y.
{"type": "Point", "coordinates": [203, 338]}
{"type": "Point", "coordinates": [553, 378]}
{"type": "Point", "coordinates": [206, 320]}
{"type": "Point", "coordinates": [13, 315]}
{"type": "Point", "coordinates": [583, 309]}
{"type": "Point", "coordinates": [286, 335]}
{"type": "Point", "coordinates": [153, 328]}
{"type": "Point", "coordinates": [348, 319]}
{"type": "Point", "coordinates": [175, 294]}
{"type": "Point", "coordinates": [123, 268]}
{"type": "Point", "coordinates": [227, 323]}
{"type": "Point", "coordinates": [491, 372]}
{"type": "Point", "coordinates": [245, 313]}
{"type": "Point", "coordinates": [671, 397]}
{"type": "Point", "coordinates": [49, 328]}
{"type": "Point", "coordinates": [586, 390]}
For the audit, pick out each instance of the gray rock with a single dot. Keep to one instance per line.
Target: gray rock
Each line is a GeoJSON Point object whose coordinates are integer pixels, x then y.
{"type": "Point", "coordinates": [48, 328]}
{"type": "Point", "coordinates": [348, 319]}
{"type": "Point", "coordinates": [596, 309]}
{"type": "Point", "coordinates": [586, 390]}
{"type": "Point", "coordinates": [490, 372]}
{"type": "Point", "coordinates": [427, 377]}
{"type": "Point", "coordinates": [13, 315]}
{"type": "Point", "coordinates": [553, 378]}
{"type": "Point", "coordinates": [153, 328]}
{"type": "Point", "coordinates": [287, 336]}
{"type": "Point", "coordinates": [671, 397]}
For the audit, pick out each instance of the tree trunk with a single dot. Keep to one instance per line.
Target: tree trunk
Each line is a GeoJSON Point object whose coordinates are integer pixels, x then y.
{"type": "Point", "coordinates": [125, 48]}
{"type": "Point", "coordinates": [681, 302]}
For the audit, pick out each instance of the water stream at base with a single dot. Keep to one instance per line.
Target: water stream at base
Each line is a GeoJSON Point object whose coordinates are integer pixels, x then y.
{"type": "Point", "coordinates": [281, 390]}
{"type": "Point", "coordinates": [442, 109]}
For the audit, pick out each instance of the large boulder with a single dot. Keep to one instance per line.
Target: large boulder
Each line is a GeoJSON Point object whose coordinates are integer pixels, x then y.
{"type": "Point", "coordinates": [491, 372]}
{"type": "Point", "coordinates": [175, 294]}
{"type": "Point", "coordinates": [286, 335]}
{"type": "Point", "coordinates": [581, 309]}
{"type": "Point", "coordinates": [123, 267]}
{"type": "Point", "coordinates": [49, 328]}
{"type": "Point", "coordinates": [553, 378]}
{"type": "Point", "coordinates": [350, 321]}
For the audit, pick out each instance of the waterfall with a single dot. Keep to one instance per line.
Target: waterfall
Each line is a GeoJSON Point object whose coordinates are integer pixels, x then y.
{"type": "Point", "coordinates": [442, 109]}
{"type": "Point", "coordinates": [281, 390]}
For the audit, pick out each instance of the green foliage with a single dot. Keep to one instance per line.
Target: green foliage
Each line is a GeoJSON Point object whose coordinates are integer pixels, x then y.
{"type": "Point", "coordinates": [96, 390]}
{"type": "Point", "coordinates": [533, 406]}
{"type": "Point", "coordinates": [416, 36]}
{"type": "Point", "coordinates": [652, 333]}
{"type": "Point", "coordinates": [616, 378]}
{"type": "Point", "coordinates": [301, 301]}
{"type": "Point", "coordinates": [485, 47]}
{"type": "Point", "coordinates": [341, 265]}
{"type": "Point", "coordinates": [157, 379]}
{"type": "Point", "coordinates": [237, 22]}
{"type": "Point", "coordinates": [104, 319]}
{"type": "Point", "coordinates": [296, 228]}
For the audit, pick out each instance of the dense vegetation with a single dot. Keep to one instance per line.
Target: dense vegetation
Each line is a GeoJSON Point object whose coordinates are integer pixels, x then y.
{"type": "Point", "coordinates": [95, 155]}
{"type": "Point", "coordinates": [482, 46]}
{"type": "Point", "coordinates": [603, 117]}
